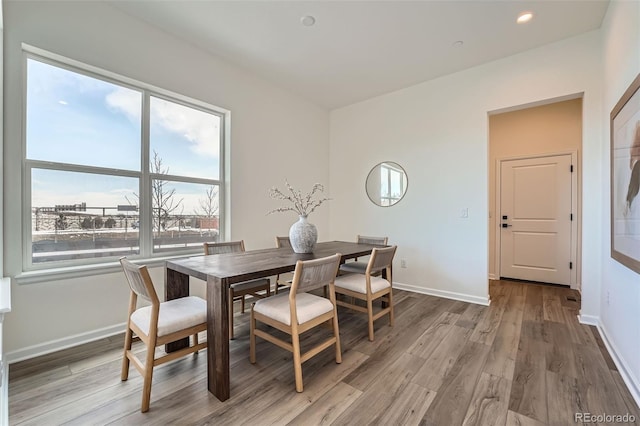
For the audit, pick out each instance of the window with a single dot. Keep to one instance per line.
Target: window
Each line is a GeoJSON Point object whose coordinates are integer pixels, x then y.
{"type": "Point", "coordinates": [392, 184]}
{"type": "Point", "coordinates": [116, 168]}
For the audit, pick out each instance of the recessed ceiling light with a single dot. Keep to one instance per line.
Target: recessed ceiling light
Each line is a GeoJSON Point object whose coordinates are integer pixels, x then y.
{"type": "Point", "coordinates": [524, 17]}
{"type": "Point", "coordinates": [458, 43]}
{"type": "Point", "coordinates": [308, 20]}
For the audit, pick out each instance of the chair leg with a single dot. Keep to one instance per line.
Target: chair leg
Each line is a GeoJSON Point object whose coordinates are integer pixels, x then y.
{"type": "Point", "coordinates": [243, 297]}
{"type": "Point", "coordinates": [370, 315]}
{"type": "Point", "coordinates": [391, 316]}
{"type": "Point", "coordinates": [125, 359]}
{"type": "Point", "coordinates": [148, 376]}
{"type": "Point", "coordinates": [297, 362]}
{"type": "Point", "coordinates": [231, 313]}
{"type": "Point", "coordinates": [336, 332]}
{"type": "Point", "coordinates": [195, 342]}
{"type": "Point", "coordinates": [252, 338]}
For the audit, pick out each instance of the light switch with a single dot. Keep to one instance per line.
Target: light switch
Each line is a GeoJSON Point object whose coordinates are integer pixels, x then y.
{"type": "Point", "coordinates": [464, 213]}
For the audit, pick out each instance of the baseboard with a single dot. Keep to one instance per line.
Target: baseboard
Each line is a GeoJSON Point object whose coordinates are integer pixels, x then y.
{"type": "Point", "coordinates": [627, 376]}
{"type": "Point", "coordinates": [64, 343]}
{"type": "Point", "coordinates": [589, 320]}
{"type": "Point", "coordinates": [632, 382]}
{"type": "Point", "coordinates": [494, 277]}
{"type": "Point", "coordinates": [443, 293]}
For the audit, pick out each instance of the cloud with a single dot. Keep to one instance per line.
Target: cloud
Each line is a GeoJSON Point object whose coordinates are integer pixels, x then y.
{"type": "Point", "coordinates": [127, 101]}
{"type": "Point", "coordinates": [198, 127]}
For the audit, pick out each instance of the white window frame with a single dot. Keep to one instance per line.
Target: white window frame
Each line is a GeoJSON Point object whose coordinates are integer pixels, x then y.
{"type": "Point", "coordinates": [33, 272]}
{"type": "Point", "coordinates": [391, 200]}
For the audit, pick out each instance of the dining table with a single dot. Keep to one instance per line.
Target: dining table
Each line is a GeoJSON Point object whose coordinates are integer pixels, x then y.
{"type": "Point", "coordinates": [221, 271]}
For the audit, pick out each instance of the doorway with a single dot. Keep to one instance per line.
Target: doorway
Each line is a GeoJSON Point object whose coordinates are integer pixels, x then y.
{"type": "Point", "coordinates": [541, 132]}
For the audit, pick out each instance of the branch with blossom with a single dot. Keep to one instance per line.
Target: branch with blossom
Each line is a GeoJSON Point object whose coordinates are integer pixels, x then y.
{"type": "Point", "coordinates": [302, 205]}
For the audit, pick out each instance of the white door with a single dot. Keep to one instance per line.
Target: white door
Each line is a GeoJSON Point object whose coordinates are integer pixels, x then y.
{"type": "Point", "coordinates": [535, 219]}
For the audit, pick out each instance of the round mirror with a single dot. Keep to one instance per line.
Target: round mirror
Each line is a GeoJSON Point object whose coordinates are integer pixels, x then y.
{"type": "Point", "coordinates": [386, 184]}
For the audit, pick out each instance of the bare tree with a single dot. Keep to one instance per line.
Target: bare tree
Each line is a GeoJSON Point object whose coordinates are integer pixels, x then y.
{"type": "Point", "coordinates": [163, 201]}
{"type": "Point", "coordinates": [209, 205]}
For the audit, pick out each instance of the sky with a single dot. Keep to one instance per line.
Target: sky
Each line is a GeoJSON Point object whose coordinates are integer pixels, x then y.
{"type": "Point", "coordinates": [76, 119]}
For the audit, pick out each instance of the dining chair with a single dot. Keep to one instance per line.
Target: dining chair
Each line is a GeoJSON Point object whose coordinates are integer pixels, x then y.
{"type": "Point", "coordinates": [359, 267]}
{"type": "Point", "coordinates": [241, 289]}
{"type": "Point", "coordinates": [368, 287]}
{"type": "Point", "coordinates": [158, 324]}
{"type": "Point", "coordinates": [283, 242]}
{"type": "Point", "coordinates": [299, 311]}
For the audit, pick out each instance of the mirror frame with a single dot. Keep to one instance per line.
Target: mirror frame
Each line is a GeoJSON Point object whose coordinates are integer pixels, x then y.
{"type": "Point", "coordinates": [395, 166]}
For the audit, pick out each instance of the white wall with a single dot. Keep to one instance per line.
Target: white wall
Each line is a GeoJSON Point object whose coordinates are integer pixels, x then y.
{"type": "Point", "coordinates": [438, 132]}
{"type": "Point", "coordinates": [620, 297]}
{"type": "Point", "coordinates": [270, 128]}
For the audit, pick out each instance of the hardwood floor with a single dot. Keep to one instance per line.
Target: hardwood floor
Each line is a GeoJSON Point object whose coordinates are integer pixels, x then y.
{"type": "Point", "coordinates": [525, 360]}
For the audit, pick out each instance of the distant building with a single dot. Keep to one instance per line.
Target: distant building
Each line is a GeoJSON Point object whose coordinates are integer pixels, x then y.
{"type": "Point", "coordinates": [207, 222]}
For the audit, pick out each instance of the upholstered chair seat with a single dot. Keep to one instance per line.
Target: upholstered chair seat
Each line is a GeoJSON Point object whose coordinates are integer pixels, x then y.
{"type": "Point", "coordinates": [175, 315]}
{"type": "Point", "coordinates": [308, 307]}
{"type": "Point", "coordinates": [358, 283]}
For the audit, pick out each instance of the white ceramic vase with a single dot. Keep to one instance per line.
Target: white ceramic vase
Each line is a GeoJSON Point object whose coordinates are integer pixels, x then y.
{"type": "Point", "coordinates": [303, 236]}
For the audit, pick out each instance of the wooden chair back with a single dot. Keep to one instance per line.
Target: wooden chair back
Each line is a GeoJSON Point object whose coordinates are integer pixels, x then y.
{"type": "Point", "coordinates": [312, 274]}
{"type": "Point", "coordinates": [283, 242]}
{"type": "Point", "coordinates": [139, 281]}
{"type": "Point", "coordinates": [226, 247]}
{"type": "Point", "coordinates": [380, 241]}
{"type": "Point", "coordinates": [381, 258]}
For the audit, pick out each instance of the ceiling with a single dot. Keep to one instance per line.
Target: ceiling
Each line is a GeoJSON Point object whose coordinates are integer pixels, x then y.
{"type": "Point", "coordinates": [360, 49]}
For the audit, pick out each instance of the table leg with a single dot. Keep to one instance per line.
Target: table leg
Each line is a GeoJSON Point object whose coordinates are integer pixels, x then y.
{"type": "Point", "coordinates": [218, 338]}
{"type": "Point", "coordinates": [176, 286]}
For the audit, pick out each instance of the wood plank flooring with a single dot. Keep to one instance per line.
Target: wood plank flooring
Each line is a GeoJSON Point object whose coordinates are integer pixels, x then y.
{"type": "Point", "coordinates": [525, 360]}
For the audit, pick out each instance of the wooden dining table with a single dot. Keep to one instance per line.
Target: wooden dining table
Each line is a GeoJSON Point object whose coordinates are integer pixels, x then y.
{"type": "Point", "coordinates": [222, 270]}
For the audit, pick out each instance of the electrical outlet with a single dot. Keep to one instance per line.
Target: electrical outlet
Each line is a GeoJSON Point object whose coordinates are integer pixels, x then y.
{"type": "Point", "coordinates": [403, 263]}
{"type": "Point", "coordinates": [464, 213]}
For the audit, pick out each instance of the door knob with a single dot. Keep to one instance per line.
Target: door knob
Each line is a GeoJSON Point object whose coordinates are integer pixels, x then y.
{"type": "Point", "coordinates": [506, 225]}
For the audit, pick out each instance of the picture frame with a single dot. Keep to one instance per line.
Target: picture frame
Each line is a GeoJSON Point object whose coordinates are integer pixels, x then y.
{"type": "Point", "coordinates": [625, 178]}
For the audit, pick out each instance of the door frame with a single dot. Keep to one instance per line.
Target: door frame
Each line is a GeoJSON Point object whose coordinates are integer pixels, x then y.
{"type": "Point", "coordinates": [576, 207]}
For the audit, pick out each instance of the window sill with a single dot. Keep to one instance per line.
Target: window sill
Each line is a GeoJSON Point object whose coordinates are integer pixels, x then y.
{"type": "Point", "coordinates": [59, 274]}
